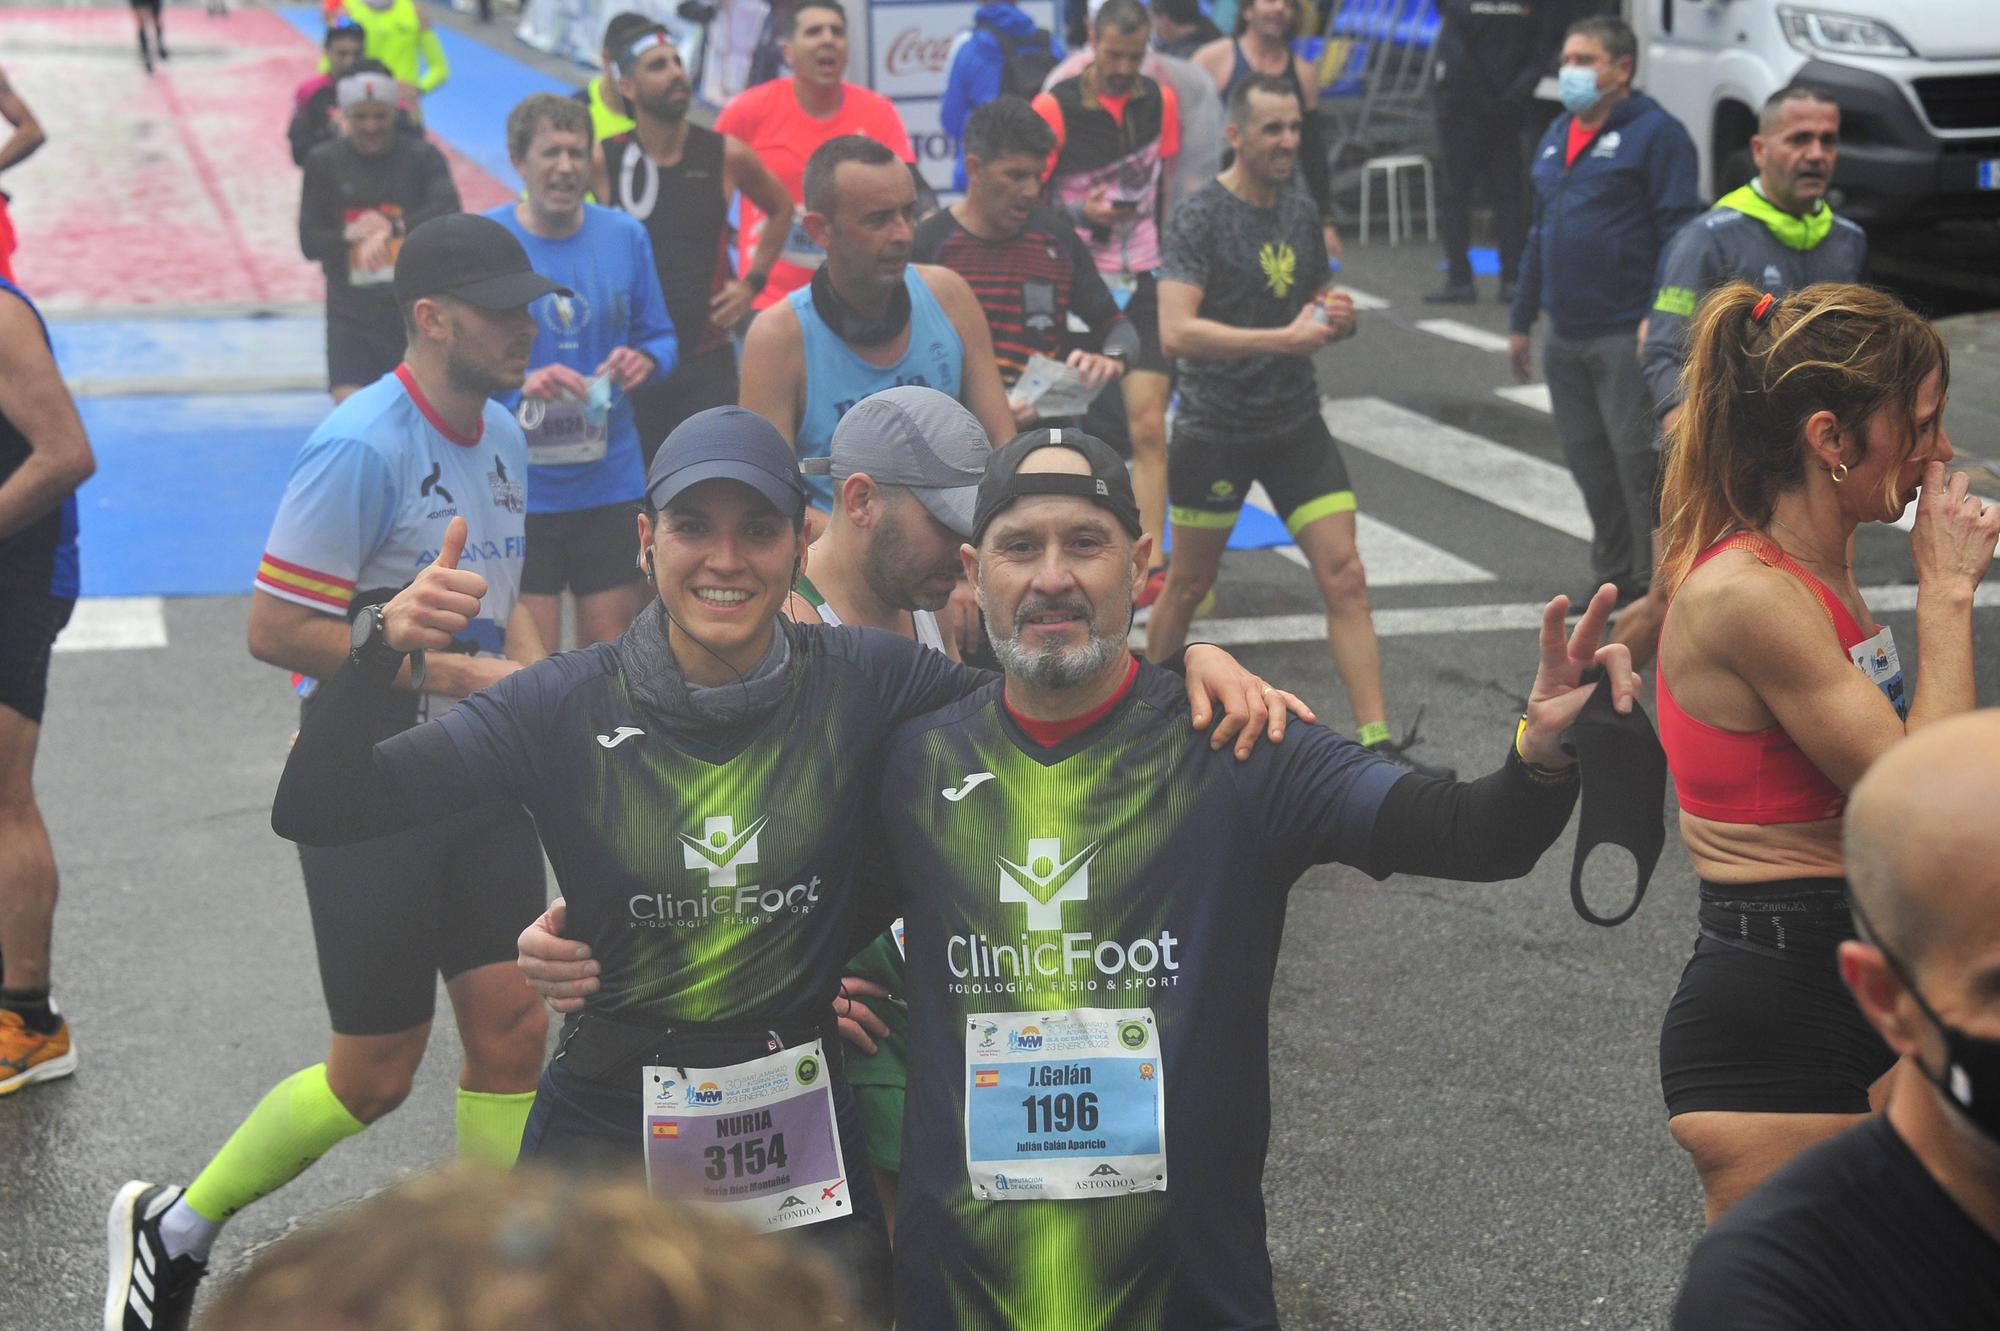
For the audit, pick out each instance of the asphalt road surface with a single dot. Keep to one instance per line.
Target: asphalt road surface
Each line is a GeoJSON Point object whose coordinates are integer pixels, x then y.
{"type": "Point", "coordinates": [1467, 1128]}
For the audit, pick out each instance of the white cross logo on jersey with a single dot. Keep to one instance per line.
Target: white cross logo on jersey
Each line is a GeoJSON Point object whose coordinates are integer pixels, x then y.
{"type": "Point", "coordinates": [720, 850]}
{"type": "Point", "coordinates": [1047, 880]}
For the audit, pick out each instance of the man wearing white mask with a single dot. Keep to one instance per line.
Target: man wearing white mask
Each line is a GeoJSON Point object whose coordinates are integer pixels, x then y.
{"type": "Point", "coordinates": [1614, 179]}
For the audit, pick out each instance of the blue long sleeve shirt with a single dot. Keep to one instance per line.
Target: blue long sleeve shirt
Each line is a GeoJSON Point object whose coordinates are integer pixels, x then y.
{"type": "Point", "coordinates": [608, 264]}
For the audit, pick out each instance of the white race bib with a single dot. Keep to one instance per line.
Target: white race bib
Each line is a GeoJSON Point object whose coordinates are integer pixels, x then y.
{"type": "Point", "coordinates": [1068, 1105]}
{"type": "Point", "coordinates": [562, 431]}
{"type": "Point", "coordinates": [757, 1139]}
{"type": "Point", "coordinates": [1877, 659]}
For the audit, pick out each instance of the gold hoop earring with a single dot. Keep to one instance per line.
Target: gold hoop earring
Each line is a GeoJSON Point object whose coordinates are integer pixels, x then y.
{"type": "Point", "coordinates": [1838, 471]}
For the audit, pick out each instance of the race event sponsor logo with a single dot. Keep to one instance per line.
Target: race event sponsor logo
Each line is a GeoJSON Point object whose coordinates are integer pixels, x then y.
{"type": "Point", "coordinates": [914, 51]}
{"type": "Point", "coordinates": [724, 857]}
{"type": "Point", "coordinates": [1044, 881]}
{"type": "Point", "coordinates": [707, 1093]}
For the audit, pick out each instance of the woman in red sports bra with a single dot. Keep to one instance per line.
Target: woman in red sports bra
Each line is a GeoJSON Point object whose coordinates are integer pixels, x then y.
{"type": "Point", "coordinates": [1804, 418]}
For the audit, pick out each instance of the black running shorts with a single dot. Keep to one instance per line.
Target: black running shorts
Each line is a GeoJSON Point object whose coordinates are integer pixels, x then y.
{"type": "Point", "coordinates": [709, 380]}
{"type": "Point", "coordinates": [391, 915]}
{"type": "Point", "coordinates": [1301, 469]}
{"type": "Point", "coordinates": [361, 349]}
{"type": "Point", "coordinates": [1749, 1032]}
{"type": "Point", "coordinates": [30, 619]}
{"type": "Point", "coordinates": [1143, 310]}
{"type": "Point", "coordinates": [587, 550]}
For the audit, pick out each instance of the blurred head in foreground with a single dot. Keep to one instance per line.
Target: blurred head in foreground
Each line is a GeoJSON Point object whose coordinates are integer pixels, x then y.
{"type": "Point", "coordinates": [465, 1250]}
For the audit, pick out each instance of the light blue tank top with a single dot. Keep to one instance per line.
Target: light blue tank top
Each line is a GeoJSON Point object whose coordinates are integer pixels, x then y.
{"type": "Point", "coordinates": [837, 378]}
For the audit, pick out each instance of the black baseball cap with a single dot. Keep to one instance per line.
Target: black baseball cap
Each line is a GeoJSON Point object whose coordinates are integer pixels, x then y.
{"type": "Point", "coordinates": [731, 444]}
{"type": "Point", "coordinates": [469, 258]}
{"type": "Point", "coordinates": [1108, 485]}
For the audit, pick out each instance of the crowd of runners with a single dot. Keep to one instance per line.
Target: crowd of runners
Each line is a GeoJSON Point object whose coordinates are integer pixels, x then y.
{"type": "Point", "coordinates": [906, 910]}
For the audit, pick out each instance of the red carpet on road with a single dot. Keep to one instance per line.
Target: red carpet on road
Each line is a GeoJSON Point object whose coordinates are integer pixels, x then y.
{"type": "Point", "coordinates": [171, 189]}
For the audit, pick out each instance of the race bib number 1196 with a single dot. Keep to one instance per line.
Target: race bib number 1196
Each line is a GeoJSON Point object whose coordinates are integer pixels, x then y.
{"type": "Point", "coordinates": [1064, 1105]}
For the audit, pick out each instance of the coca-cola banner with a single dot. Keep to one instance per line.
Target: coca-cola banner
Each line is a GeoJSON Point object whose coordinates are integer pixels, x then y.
{"type": "Point", "coordinates": [911, 42]}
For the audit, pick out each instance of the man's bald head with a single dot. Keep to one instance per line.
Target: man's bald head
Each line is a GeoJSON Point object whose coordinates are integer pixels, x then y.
{"type": "Point", "coordinates": [1922, 839]}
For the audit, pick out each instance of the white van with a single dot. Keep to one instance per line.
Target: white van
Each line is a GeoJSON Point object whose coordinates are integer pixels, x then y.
{"type": "Point", "coordinates": [1918, 82]}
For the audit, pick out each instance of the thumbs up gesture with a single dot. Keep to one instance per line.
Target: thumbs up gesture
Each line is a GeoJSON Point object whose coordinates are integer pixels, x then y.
{"type": "Point", "coordinates": [435, 609]}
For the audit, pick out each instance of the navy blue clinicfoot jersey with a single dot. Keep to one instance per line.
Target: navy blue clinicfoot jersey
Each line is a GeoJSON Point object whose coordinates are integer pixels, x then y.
{"type": "Point", "coordinates": [712, 883]}
{"type": "Point", "coordinates": [1129, 868]}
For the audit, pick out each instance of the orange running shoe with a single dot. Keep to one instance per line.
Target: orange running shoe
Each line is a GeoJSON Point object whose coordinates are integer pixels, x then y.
{"type": "Point", "coordinates": [28, 1056]}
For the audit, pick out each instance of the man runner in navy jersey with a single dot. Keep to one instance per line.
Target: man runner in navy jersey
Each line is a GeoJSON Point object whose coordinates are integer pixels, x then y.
{"type": "Point", "coordinates": [677, 178]}
{"type": "Point", "coordinates": [44, 456]}
{"type": "Point", "coordinates": [1027, 266]}
{"type": "Point", "coordinates": [698, 786]}
{"type": "Point", "coordinates": [1093, 909]}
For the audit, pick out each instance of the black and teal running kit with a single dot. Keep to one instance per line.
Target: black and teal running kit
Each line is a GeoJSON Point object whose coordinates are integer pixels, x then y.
{"type": "Point", "coordinates": [1092, 930]}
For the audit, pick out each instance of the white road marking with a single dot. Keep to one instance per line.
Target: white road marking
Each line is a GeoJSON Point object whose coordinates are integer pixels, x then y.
{"type": "Point", "coordinates": [1540, 491]}
{"type": "Point", "coordinates": [1525, 616]}
{"type": "Point", "coordinates": [1393, 557]}
{"type": "Point", "coordinates": [115, 624]}
{"type": "Point", "coordinates": [1533, 396]}
{"type": "Point", "coordinates": [1454, 331]}
{"type": "Point", "coordinates": [1363, 301]}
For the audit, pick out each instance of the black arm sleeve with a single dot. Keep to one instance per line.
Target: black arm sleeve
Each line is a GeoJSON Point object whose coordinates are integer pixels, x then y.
{"type": "Point", "coordinates": [338, 787]}
{"type": "Point", "coordinates": [1480, 831]}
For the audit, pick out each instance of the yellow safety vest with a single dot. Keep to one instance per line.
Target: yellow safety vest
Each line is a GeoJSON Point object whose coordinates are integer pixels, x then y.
{"type": "Point", "coordinates": [604, 122]}
{"type": "Point", "coordinates": [399, 38]}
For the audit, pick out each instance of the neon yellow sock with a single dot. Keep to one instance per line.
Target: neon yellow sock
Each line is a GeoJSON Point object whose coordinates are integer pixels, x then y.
{"type": "Point", "coordinates": [490, 1124]}
{"type": "Point", "coordinates": [1373, 733]}
{"type": "Point", "coordinates": [298, 1121]}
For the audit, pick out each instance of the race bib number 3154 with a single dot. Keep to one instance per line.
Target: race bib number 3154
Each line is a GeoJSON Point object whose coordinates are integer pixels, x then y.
{"type": "Point", "coordinates": [757, 1139]}
{"type": "Point", "coordinates": [1066, 1105]}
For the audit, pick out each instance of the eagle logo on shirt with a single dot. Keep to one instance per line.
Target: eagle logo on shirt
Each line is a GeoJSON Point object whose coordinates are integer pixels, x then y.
{"type": "Point", "coordinates": [1281, 266]}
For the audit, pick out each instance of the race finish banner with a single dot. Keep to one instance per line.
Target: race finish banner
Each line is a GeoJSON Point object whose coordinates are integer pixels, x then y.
{"type": "Point", "coordinates": [900, 48]}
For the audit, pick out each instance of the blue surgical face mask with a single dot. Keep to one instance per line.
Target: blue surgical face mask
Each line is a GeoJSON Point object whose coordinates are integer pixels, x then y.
{"type": "Point", "coordinates": [597, 405]}
{"type": "Point", "coordinates": [1577, 86]}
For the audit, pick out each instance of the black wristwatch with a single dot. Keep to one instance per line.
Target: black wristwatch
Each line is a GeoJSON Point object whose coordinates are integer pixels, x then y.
{"type": "Point", "coordinates": [756, 281]}
{"type": "Point", "coordinates": [366, 644]}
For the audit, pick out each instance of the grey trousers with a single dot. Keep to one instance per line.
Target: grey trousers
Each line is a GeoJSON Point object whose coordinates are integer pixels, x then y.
{"type": "Point", "coordinates": [1604, 418]}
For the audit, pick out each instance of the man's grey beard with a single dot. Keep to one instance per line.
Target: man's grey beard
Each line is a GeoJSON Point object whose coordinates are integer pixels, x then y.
{"type": "Point", "coordinates": [1055, 667]}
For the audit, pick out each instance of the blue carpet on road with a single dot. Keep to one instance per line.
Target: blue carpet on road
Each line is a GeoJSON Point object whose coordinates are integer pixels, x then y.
{"type": "Point", "coordinates": [185, 489]}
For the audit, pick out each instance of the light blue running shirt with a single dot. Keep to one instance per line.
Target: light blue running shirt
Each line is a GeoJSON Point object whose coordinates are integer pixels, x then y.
{"type": "Point", "coordinates": [837, 377]}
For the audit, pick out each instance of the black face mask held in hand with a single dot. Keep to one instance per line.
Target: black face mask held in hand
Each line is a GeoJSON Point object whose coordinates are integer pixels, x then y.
{"type": "Point", "coordinates": [1624, 791]}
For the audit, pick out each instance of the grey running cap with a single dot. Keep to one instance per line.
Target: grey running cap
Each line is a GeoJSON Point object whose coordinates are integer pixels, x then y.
{"type": "Point", "coordinates": [921, 439]}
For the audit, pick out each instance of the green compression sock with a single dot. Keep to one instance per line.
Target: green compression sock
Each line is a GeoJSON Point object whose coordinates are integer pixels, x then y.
{"type": "Point", "coordinates": [490, 1124]}
{"type": "Point", "coordinates": [1373, 733]}
{"type": "Point", "coordinates": [296, 1123]}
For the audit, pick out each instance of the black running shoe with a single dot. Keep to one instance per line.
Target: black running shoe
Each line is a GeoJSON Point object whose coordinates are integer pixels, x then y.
{"type": "Point", "coordinates": [1397, 751]}
{"type": "Point", "coordinates": [1453, 293]}
{"type": "Point", "coordinates": [147, 1291]}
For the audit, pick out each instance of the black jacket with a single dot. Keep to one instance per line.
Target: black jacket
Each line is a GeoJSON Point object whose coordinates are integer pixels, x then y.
{"type": "Point", "coordinates": [1493, 51]}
